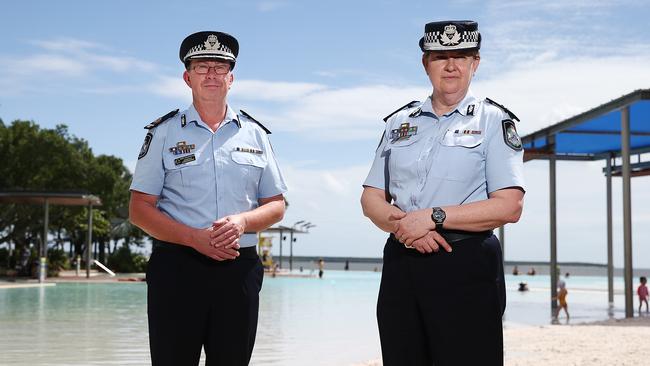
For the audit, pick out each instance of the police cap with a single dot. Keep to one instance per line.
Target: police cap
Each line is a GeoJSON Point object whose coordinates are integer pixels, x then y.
{"type": "Point", "coordinates": [208, 44]}
{"type": "Point", "coordinates": [451, 35]}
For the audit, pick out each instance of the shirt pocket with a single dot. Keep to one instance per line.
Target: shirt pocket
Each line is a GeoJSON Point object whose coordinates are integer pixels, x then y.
{"type": "Point", "coordinates": [403, 159]}
{"type": "Point", "coordinates": [249, 165]}
{"type": "Point", "coordinates": [183, 171]}
{"type": "Point", "coordinates": [460, 157]}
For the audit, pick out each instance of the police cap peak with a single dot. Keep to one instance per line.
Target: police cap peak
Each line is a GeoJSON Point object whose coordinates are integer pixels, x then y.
{"type": "Point", "coordinates": [209, 44]}
{"type": "Point", "coordinates": [451, 35]}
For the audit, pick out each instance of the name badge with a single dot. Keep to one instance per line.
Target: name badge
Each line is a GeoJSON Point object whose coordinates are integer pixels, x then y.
{"type": "Point", "coordinates": [184, 160]}
{"type": "Point", "coordinates": [249, 150]}
{"type": "Point", "coordinates": [467, 132]}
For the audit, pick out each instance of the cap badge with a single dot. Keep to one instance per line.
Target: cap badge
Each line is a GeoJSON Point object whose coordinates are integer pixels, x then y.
{"type": "Point", "coordinates": [404, 132]}
{"type": "Point", "coordinates": [450, 37]}
{"type": "Point", "coordinates": [212, 43]}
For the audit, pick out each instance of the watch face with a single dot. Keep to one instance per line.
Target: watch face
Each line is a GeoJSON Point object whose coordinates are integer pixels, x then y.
{"type": "Point", "coordinates": [439, 215]}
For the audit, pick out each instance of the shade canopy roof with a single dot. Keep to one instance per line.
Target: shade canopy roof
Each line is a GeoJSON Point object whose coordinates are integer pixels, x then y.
{"type": "Point", "coordinates": [282, 228]}
{"type": "Point", "coordinates": [55, 198]}
{"type": "Point", "coordinates": [595, 134]}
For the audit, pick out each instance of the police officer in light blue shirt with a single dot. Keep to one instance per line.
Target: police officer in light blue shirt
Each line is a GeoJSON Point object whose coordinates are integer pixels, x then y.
{"type": "Point", "coordinates": [206, 181]}
{"type": "Point", "coordinates": [447, 171]}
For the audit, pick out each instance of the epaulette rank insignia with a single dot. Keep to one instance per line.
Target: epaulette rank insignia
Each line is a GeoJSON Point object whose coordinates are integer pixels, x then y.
{"type": "Point", "coordinates": [161, 119]}
{"type": "Point", "coordinates": [405, 106]}
{"type": "Point", "coordinates": [268, 132]}
{"type": "Point", "coordinates": [510, 114]}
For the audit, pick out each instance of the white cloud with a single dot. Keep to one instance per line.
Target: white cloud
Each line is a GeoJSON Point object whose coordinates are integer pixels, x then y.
{"type": "Point", "coordinates": [329, 198]}
{"type": "Point", "coordinates": [94, 55]}
{"type": "Point", "coordinates": [273, 91]}
{"type": "Point", "coordinates": [66, 45]}
{"type": "Point", "coordinates": [171, 87]}
{"type": "Point", "coordinates": [66, 58]}
{"type": "Point", "coordinates": [544, 93]}
{"type": "Point", "coordinates": [48, 64]}
{"type": "Point", "coordinates": [323, 112]}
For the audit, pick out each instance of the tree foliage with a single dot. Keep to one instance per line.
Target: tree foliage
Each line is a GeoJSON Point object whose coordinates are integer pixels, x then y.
{"type": "Point", "coordinates": [53, 160]}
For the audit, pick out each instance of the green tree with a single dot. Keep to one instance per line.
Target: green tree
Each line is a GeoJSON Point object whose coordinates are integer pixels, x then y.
{"type": "Point", "coordinates": [52, 160]}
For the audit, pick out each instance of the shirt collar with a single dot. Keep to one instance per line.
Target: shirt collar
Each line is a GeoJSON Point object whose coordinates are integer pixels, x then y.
{"type": "Point", "coordinates": [467, 104]}
{"type": "Point", "coordinates": [191, 115]}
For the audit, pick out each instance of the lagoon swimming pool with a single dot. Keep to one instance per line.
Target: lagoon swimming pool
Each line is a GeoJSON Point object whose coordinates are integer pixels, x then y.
{"type": "Point", "coordinates": [302, 320]}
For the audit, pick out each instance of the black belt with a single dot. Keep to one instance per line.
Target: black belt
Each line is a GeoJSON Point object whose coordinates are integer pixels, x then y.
{"type": "Point", "coordinates": [246, 252]}
{"type": "Point", "coordinates": [453, 236]}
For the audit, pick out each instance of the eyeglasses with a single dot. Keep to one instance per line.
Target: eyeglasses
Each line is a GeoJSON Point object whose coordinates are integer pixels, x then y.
{"type": "Point", "coordinates": [219, 69]}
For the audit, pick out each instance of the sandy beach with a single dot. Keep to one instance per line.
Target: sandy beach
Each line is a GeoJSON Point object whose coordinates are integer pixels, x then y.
{"type": "Point", "coordinates": [607, 343]}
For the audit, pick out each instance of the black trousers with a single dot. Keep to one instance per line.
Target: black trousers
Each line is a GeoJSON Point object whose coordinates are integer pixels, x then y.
{"type": "Point", "coordinates": [442, 308]}
{"type": "Point", "coordinates": [194, 301]}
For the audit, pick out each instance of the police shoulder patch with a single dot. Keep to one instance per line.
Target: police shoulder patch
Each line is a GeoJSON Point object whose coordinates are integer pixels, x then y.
{"type": "Point", "coordinates": [510, 136]}
{"type": "Point", "coordinates": [508, 112]}
{"type": "Point", "coordinates": [405, 106]}
{"type": "Point", "coordinates": [145, 145]}
{"type": "Point", "coordinates": [161, 119]}
{"type": "Point", "coordinates": [248, 116]}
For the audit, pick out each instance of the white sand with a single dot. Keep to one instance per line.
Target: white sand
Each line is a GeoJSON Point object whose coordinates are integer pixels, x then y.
{"type": "Point", "coordinates": [609, 343]}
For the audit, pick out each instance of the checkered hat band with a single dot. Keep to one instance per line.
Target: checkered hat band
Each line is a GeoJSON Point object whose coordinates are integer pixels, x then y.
{"type": "Point", "coordinates": [200, 50]}
{"type": "Point", "coordinates": [433, 41]}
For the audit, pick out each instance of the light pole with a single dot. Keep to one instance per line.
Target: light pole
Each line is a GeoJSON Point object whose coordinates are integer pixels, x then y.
{"type": "Point", "coordinates": [291, 240]}
{"type": "Point", "coordinates": [308, 226]}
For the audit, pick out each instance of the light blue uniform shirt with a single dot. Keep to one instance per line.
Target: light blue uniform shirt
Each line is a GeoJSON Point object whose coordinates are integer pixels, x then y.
{"type": "Point", "coordinates": [201, 176]}
{"type": "Point", "coordinates": [425, 160]}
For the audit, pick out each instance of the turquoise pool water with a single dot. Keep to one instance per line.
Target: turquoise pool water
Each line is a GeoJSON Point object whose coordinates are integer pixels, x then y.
{"type": "Point", "coordinates": [303, 321]}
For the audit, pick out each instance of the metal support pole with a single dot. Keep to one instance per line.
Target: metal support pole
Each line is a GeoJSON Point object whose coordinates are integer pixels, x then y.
{"type": "Point", "coordinates": [281, 242]}
{"type": "Point", "coordinates": [553, 227]}
{"type": "Point", "coordinates": [291, 252]}
{"type": "Point", "coordinates": [42, 263]}
{"type": "Point", "coordinates": [90, 239]}
{"type": "Point", "coordinates": [627, 211]}
{"type": "Point", "coordinates": [610, 247]}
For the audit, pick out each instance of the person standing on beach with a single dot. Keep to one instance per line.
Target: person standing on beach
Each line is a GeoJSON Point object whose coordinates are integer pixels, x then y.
{"type": "Point", "coordinates": [206, 180]}
{"type": "Point", "coordinates": [447, 171]}
{"type": "Point", "coordinates": [642, 292]}
{"type": "Point", "coordinates": [321, 268]}
{"type": "Point", "coordinates": [561, 298]}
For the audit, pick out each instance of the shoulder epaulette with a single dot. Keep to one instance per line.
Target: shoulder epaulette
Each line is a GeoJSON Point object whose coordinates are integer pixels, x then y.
{"type": "Point", "coordinates": [510, 114]}
{"type": "Point", "coordinates": [405, 106]}
{"type": "Point", "coordinates": [161, 119]}
{"type": "Point", "coordinates": [268, 132]}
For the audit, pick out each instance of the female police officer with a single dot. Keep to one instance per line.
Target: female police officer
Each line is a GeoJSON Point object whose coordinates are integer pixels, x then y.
{"type": "Point", "coordinates": [448, 170]}
{"type": "Point", "coordinates": [205, 181]}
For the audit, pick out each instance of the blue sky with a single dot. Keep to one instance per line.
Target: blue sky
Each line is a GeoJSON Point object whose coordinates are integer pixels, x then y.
{"type": "Point", "coordinates": [321, 75]}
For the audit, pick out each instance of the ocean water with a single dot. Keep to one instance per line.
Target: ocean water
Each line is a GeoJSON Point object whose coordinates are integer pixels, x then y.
{"type": "Point", "coordinates": [303, 321]}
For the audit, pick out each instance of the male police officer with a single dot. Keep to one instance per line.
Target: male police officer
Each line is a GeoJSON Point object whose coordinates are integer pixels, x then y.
{"type": "Point", "coordinates": [205, 182]}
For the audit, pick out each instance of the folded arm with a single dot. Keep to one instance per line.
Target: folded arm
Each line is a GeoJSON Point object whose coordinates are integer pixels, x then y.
{"type": "Point", "coordinates": [502, 207]}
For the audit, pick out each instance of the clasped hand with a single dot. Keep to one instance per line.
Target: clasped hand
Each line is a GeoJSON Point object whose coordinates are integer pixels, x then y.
{"type": "Point", "coordinates": [221, 240]}
{"type": "Point", "coordinates": [416, 229]}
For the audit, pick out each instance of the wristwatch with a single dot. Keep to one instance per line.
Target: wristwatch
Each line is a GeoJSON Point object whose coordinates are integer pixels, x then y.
{"type": "Point", "coordinates": [438, 216]}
